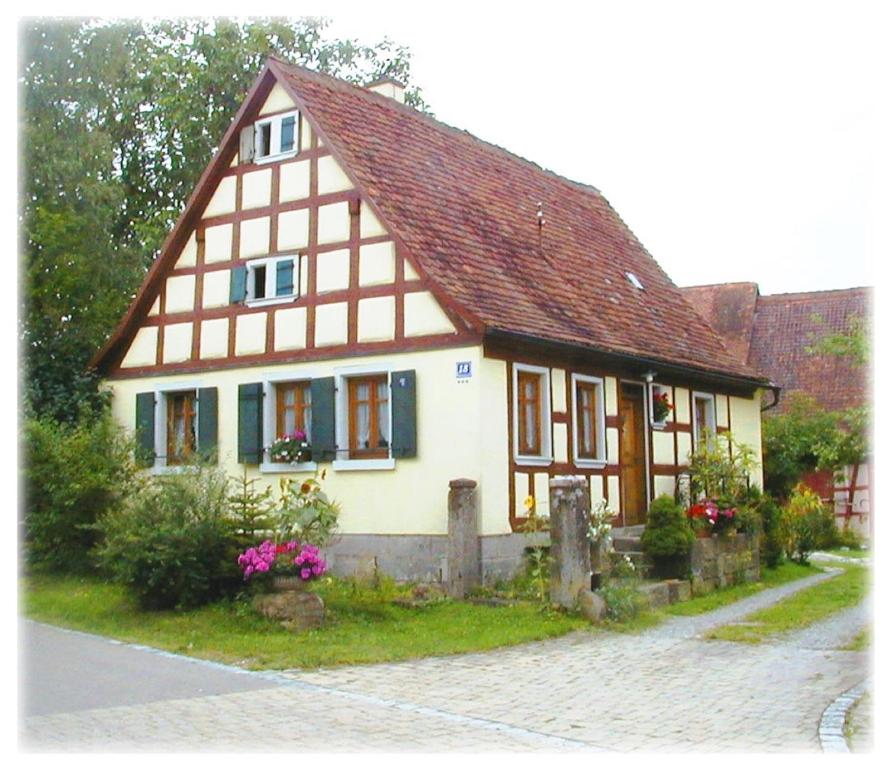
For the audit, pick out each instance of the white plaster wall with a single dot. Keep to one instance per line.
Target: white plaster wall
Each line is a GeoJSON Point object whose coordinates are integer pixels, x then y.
{"type": "Point", "coordinates": [295, 181]}
{"type": "Point", "coordinates": [409, 272]}
{"type": "Point", "coordinates": [522, 491]}
{"type": "Point", "coordinates": [613, 493]}
{"type": "Point", "coordinates": [412, 498]}
{"type": "Point", "coordinates": [155, 308]}
{"type": "Point", "coordinates": [559, 390]}
{"type": "Point", "coordinates": [489, 380]}
{"type": "Point", "coordinates": [256, 191]}
{"type": "Point", "coordinates": [249, 336]}
{"type": "Point", "coordinates": [559, 442]}
{"type": "Point", "coordinates": [177, 342]}
{"type": "Point", "coordinates": [663, 447]}
{"type": "Point", "coordinates": [278, 100]}
{"type": "Point", "coordinates": [541, 493]}
{"type": "Point", "coordinates": [333, 270]}
{"type": "Point", "coordinates": [721, 410]}
{"type": "Point", "coordinates": [684, 447]}
{"type": "Point", "coordinates": [290, 328]}
{"type": "Point", "coordinates": [216, 288]}
{"type": "Point", "coordinates": [596, 489]}
{"type": "Point", "coordinates": [306, 135]}
{"type": "Point", "coordinates": [371, 226]}
{"type": "Point", "coordinates": [254, 237]}
{"type": "Point", "coordinates": [188, 256]}
{"type": "Point", "coordinates": [214, 338]}
{"type": "Point", "coordinates": [612, 445]}
{"type": "Point", "coordinates": [331, 324]}
{"type": "Point", "coordinates": [180, 294]}
{"type": "Point", "coordinates": [333, 223]}
{"type": "Point", "coordinates": [143, 349]}
{"type": "Point", "coordinates": [224, 199]}
{"type": "Point", "coordinates": [423, 316]}
{"type": "Point", "coordinates": [376, 264]}
{"type": "Point", "coordinates": [376, 319]}
{"type": "Point", "coordinates": [682, 405]}
{"type": "Point", "coordinates": [217, 243]}
{"type": "Point", "coordinates": [664, 484]}
{"type": "Point", "coordinates": [293, 229]}
{"type": "Point", "coordinates": [746, 427]}
{"type": "Point", "coordinates": [610, 397]}
{"type": "Point", "coordinates": [331, 177]}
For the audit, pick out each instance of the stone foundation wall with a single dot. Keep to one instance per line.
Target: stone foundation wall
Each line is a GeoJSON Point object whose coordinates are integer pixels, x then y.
{"type": "Point", "coordinates": [724, 560]}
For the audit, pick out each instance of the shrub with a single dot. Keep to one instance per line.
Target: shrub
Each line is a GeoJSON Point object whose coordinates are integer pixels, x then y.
{"type": "Point", "coordinates": [73, 475]}
{"type": "Point", "coordinates": [773, 541]}
{"type": "Point", "coordinates": [172, 542]}
{"type": "Point", "coordinates": [804, 523]}
{"type": "Point", "coordinates": [667, 536]}
{"type": "Point", "coordinates": [305, 513]}
{"type": "Point", "coordinates": [620, 592]}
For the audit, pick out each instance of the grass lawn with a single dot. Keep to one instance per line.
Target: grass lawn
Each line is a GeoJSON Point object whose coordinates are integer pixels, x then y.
{"type": "Point", "coordinates": [363, 625]}
{"type": "Point", "coordinates": [771, 577]}
{"type": "Point", "coordinates": [855, 553]}
{"type": "Point", "coordinates": [861, 641]}
{"type": "Point", "coordinates": [801, 609]}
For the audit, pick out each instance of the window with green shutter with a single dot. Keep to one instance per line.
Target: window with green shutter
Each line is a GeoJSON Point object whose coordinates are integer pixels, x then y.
{"type": "Point", "coordinates": [403, 406]}
{"type": "Point", "coordinates": [249, 423]}
{"type": "Point", "coordinates": [271, 280]}
{"type": "Point", "coordinates": [208, 422]}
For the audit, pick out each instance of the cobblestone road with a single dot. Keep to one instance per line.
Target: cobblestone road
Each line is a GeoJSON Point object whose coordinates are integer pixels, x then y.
{"type": "Point", "coordinates": [666, 689]}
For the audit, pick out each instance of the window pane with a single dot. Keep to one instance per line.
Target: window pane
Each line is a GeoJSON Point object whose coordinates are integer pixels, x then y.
{"type": "Point", "coordinates": [288, 125]}
{"type": "Point", "coordinates": [259, 282]}
{"type": "Point", "coordinates": [382, 418]}
{"type": "Point", "coordinates": [362, 427]}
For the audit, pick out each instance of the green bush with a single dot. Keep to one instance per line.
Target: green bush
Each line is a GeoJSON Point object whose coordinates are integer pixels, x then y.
{"type": "Point", "coordinates": [172, 542]}
{"type": "Point", "coordinates": [805, 523]}
{"type": "Point", "coordinates": [667, 536]}
{"type": "Point", "coordinates": [620, 592]}
{"type": "Point", "coordinates": [73, 475]}
{"type": "Point", "coordinates": [773, 541]}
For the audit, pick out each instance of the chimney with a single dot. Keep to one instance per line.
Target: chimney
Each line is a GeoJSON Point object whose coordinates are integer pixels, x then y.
{"type": "Point", "coordinates": [388, 86]}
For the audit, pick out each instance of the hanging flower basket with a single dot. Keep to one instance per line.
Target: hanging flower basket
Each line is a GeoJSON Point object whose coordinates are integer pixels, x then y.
{"type": "Point", "coordinates": [293, 448]}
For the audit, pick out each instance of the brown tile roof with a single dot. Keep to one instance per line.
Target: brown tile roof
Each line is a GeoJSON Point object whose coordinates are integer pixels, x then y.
{"type": "Point", "coordinates": [467, 212]}
{"type": "Point", "coordinates": [775, 339]}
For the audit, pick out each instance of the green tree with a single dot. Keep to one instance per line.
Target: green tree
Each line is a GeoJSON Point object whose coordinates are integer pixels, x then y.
{"type": "Point", "coordinates": [119, 120]}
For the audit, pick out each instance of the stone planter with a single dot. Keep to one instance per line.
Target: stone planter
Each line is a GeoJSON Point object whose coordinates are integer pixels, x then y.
{"type": "Point", "coordinates": [721, 561]}
{"type": "Point", "coordinates": [292, 604]}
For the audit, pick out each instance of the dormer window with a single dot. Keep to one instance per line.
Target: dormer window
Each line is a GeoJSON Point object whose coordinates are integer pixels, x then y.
{"type": "Point", "coordinates": [276, 137]}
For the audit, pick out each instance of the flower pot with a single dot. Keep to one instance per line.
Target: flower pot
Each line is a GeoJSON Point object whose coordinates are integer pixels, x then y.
{"type": "Point", "coordinates": [288, 584]}
{"type": "Point", "coordinates": [703, 533]}
{"type": "Point", "coordinates": [594, 581]}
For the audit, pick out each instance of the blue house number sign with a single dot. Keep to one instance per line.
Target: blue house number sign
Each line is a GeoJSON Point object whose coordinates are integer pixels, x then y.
{"type": "Point", "coordinates": [464, 370]}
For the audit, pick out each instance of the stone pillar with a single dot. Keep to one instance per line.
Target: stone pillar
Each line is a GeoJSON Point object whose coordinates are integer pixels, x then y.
{"type": "Point", "coordinates": [568, 524]}
{"type": "Point", "coordinates": [463, 543]}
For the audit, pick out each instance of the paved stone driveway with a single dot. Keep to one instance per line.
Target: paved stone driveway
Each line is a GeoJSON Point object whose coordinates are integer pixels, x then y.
{"type": "Point", "coordinates": [666, 689]}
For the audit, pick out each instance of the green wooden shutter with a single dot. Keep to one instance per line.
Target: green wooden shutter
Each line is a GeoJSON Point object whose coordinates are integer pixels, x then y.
{"type": "Point", "coordinates": [288, 125]}
{"type": "Point", "coordinates": [145, 429]}
{"type": "Point", "coordinates": [238, 285]}
{"type": "Point", "coordinates": [284, 278]}
{"type": "Point", "coordinates": [403, 403]}
{"type": "Point", "coordinates": [208, 422]}
{"type": "Point", "coordinates": [249, 423]}
{"type": "Point", "coordinates": [323, 419]}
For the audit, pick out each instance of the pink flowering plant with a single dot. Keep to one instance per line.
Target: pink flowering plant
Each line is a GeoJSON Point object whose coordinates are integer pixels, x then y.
{"type": "Point", "coordinates": [709, 514]}
{"type": "Point", "coordinates": [289, 558]}
{"type": "Point", "coordinates": [292, 448]}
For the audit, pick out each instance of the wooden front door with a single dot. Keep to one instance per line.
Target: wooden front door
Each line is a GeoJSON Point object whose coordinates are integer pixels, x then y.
{"type": "Point", "coordinates": [632, 454]}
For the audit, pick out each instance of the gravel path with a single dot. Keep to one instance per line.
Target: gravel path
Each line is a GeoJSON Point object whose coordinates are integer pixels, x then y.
{"type": "Point", "coordinates": [693, 626]}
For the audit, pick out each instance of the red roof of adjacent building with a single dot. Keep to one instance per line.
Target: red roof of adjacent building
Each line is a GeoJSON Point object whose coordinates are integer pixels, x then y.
{"type": "Point", "coordinates": [468, 213]}
{"type": "Point", "coordinates": [776, 335]}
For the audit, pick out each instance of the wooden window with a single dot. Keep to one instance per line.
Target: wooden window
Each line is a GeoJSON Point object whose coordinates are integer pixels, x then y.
{"type": "Point", "coordinates": [293, 402]}
{"type": "Point", "coordinates": [368, 417]}
{"type": "Point", "coordinates": [587, 420]}
{"type": "Point", "coordinates": [180, 427]}
{"type": "Point", "coordinates": [276, 137]}
{"type": "Point", "coordinates": [530, 393]}
{"type": "Point", "coordinates": [704, 418]}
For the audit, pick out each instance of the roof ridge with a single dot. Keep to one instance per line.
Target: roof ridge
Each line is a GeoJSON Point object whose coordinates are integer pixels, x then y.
{"type": "Point", "coordinates": [805, 294]}
{"type": "Point", "coordinates": [406, 109]}
{"type": "Point", "coordinates": [718, 285]}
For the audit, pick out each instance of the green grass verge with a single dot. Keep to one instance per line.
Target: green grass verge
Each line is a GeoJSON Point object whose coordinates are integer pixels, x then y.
{"type": "Point", "coordinates": [861, 642]}
{"type": "Point", "coordinates": [363, 626]}
{"type": "Point", "coordinates": [853, 553]}
{"type": "Point", "coordinates": [801, 609]}
{"type": "Point", "coordinates": [771, 577]}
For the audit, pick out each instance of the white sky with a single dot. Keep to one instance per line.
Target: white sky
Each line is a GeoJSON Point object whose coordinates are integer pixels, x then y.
{"type": "Point", "coordinates": [737, 142]}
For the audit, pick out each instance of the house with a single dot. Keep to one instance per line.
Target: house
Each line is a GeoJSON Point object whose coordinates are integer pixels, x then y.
{"type": "Point", "coordinates": [774, 335]}
{"type": "Point", "coordinates": [426, 307]}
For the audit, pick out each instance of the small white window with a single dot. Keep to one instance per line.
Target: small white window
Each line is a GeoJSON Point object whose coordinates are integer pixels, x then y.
{"type": "Point", "coordinates": [633, 278]}
{"type": "Point", "coordinates": [277, 137]}
{"type": "Point", "coordinates": [588, 421]}
{"type": "Point", "coordinates": [704, 418]}
{"type": "Point", "coordinates": [531, 415]}
{"type": "Point", "coordinates": [272, 280]}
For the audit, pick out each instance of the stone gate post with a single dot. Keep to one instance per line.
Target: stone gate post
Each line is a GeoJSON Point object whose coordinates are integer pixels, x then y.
{"type": "Point", "coordinates": [463, 543]}
{"type": "Point", "coordinates": [570, 566]}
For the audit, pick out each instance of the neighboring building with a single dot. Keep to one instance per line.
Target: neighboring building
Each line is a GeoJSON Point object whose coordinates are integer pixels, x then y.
{"type": "Point", "coordinates": [426, 306]}
{"type": "Point", "coordinates": [774, 335]}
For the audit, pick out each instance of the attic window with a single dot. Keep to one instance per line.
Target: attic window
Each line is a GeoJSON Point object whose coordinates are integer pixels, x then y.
{"type": "Point", "coordinates": [632, 278]}
{"type": "Point", "coordinates": [276, 137]}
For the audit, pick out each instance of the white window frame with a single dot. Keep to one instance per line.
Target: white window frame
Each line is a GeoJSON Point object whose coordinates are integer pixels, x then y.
{"type": "Point", "coordinates": [545, 458]}
{"type": "Point", "coordinates": [711, 427]}
{"type": "Point", "coordinates": [160, 423]}
{"type": "Point", "coordinates": [654, 389]}
{"type": "Point", "coordinates": [275, 148]}
{"type": "Point", "coordinates": [270, 264]}
{"type": "Point", "coordinates": [269, 417]}
{"type": "Point", "coordinates": [342, 375]}
{"type": "Point", "coordinates": [600, 438]}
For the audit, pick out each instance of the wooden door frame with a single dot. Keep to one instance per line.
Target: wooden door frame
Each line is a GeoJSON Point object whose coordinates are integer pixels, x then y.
{"type": "Point", "coordinates": [645, 396]}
